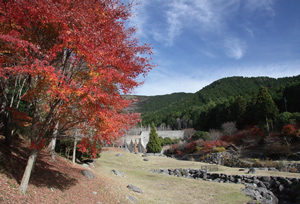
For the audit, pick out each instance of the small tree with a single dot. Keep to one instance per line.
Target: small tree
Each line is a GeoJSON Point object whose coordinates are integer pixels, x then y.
{"type": "Point", "coordinates": [215, 134]}
{"type": "Point", "coordinates": [288, 132]}
{"type": "Point", "coordinates": [229, 128]}
{"type": "Point", "coordinates": [153, 145]}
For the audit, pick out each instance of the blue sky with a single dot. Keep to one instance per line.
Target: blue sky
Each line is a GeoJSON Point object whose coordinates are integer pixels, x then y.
{"type": "Point", "coordinates": [196, 42]}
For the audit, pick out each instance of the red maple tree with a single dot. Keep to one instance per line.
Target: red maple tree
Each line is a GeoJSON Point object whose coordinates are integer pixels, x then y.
{"type": "Point", "coordinates": [288, 130]}
{"type": "Point", "coordinates": [76, 58]}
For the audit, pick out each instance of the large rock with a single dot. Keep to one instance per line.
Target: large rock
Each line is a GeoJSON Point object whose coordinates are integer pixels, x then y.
{"type": "Point", "coordinates": [164, 171]}
{"type": "Point", "coordinates": [265, 178]}
{"type": "Point", "coordinates": [252, 171]}
{"type": "Point", "coordinates": [118, 173]}
{"type": "Point", "coordinates": [262, 195]}
{"type": "Point", "coordinates": [134, 188]}
{"type": "Point", "coordinates": [86, 166]}
{"type": "Point", "coordinates": [177, 173]}
{"type": "Point", "coordinates": [131, 198]}
{"type": "Point", "coordinates": [88, 174]}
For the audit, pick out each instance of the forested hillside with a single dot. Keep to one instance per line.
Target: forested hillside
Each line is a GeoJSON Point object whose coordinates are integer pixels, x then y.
{"type": "Point", "coordinates": [227, 99]}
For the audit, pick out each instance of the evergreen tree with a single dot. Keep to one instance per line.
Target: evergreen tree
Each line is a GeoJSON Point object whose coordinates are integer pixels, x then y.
{"type": "Point", "coordinates": [153, 145]}
{"type": "Point", "coordinates": [264, 106]}
{"type": "Point", "coordinates": [238, 111]}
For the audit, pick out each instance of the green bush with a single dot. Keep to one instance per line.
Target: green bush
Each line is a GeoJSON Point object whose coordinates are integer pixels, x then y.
{"type": "Point", "coordinates": [201, 135]}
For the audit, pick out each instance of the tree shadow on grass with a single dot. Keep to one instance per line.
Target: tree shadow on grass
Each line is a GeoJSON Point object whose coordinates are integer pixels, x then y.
{"type": "Point", "coordinates": [46, 173]}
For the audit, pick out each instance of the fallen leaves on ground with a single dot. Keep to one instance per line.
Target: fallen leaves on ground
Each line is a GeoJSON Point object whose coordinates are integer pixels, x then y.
{"type": "Point", "coordinates": [57, 181]}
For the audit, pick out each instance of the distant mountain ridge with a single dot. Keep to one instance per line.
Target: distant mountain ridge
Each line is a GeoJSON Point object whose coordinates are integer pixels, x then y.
{"type": "Point", "coordinates": [222, 89]}
{"type": "Point", "coordinates": [244, 86]}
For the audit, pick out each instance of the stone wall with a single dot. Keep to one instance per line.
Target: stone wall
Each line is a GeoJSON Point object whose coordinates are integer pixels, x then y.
{"type": "Point", "coordinates": [168, 133]}
{"type": "Point", "coordinates": [225, 159]}
{"type": "Point", "coordinates": [285, 189]}
{"type": "Point", "coordinates": [143, 137]}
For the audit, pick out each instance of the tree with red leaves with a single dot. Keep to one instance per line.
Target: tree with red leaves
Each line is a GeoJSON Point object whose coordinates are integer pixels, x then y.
{"type": "Point", "coordinates": [76, 58]}
{"type": "Point", "coordinates": [288, 131]}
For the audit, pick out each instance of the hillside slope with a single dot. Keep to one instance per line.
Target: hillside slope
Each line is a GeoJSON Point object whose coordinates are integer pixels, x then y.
{"type": "Point", "coordinates": [168, 107]}
{"type": "Point", "coordinates": [52, 182]}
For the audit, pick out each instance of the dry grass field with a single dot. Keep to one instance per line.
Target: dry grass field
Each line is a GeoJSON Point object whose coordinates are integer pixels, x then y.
{"type": "Point", "coordinates": [160, 188]}
{"type": "Point", "coordinates": [62, 182]}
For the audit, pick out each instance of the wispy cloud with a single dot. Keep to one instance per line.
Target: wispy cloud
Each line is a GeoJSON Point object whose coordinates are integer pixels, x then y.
{"type": "Point", "coordinates": [206, 17]}
{"type": "Point", "coordinates": [265, 5]}
{"type": "Point", "coordinates": [235, 47]}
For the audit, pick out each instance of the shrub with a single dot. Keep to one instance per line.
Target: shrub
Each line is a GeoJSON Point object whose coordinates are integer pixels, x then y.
{"type": "Point", "coordinates": [238, 139]}
{"type": "Point", "coordinates": [288, 130]}
{"type": "Point", "coordinates": [257, 163]}
{"type": "Point", "coordinates": [200, 135]}
{"type": "Point", "coordinates": [293, 170]}
{"type": "Point", "coordinates": [172, 149]}
{"type": "Point", "coordinates": [270, 163]}
{"type": "Point", "coordinates": [167, 141]}
{"type": "Point", "coordinates": [191, 147]}
{"type": "Point", "coordinates": [226, 138]}
{"type": "Point", "coordinates": [219, 149]}
{"type": "Point", "coordinates": [277, 150]}
{"type": "Point", "coordinates": [229, 128]}
{"type": "Point", "coordinates": [215, 134]}
{"type": "Point", "coordinates": [199, 149]}
{"type": "Point", "coordinates": [257, 132]}
{"type": "Point", "coordinates": [282, 166]}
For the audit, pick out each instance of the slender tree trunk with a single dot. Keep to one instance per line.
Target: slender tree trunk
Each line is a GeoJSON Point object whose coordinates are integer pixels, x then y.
{"type": "Point", "coordinates": [5, 120]}
{"type": "Point", "coordinates": [51, 146]}
{"type": "Point", "coordinates": [29, 167]}
{"type": "Point", "coordinates": [74, 150]}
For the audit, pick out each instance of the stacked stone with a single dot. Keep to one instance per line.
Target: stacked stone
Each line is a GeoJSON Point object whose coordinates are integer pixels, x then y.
{"type": "Point", "coordinates": [283, 188]}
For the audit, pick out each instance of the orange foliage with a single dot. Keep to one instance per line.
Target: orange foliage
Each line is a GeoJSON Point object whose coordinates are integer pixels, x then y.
{"type": "Point", "coordinates": [20, 118]}
{"type": "Point", "coordinates": [257, 132]}
{"type": "Point", "coordinates": [288, 130]}
{"type": "Point", "coordinates": [38, 145]}
{"type": "Point", "coordinates": [191, 147]}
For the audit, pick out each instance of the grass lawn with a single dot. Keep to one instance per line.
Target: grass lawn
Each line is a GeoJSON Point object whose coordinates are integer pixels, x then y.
{"type": "Point", "coordinates": [160, 188]}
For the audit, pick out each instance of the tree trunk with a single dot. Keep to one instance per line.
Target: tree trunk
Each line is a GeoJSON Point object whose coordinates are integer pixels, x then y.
{"type": "Point", "coordinates": [3, 105]}
{"type": "Point", "coordinates": [29, 167]}
{"type": "Point", "coordinates": [51, 146]}
{"type": "Point", "coordinates": [74, 150]}
{"type": "Point", "coordinates": [4, 90]}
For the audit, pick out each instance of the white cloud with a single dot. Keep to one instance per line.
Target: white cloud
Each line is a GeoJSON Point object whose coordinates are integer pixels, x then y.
{"type": "Point", "coordinates": [266, 5]}
{"type": "Point", "coordinates": [211, 19]}
{"type": "Point", "coordinates": [235, 48]}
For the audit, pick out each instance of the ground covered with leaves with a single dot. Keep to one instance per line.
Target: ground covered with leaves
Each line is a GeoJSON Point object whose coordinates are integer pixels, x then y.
{"type": "Point", "coordinates": [57, 181]}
